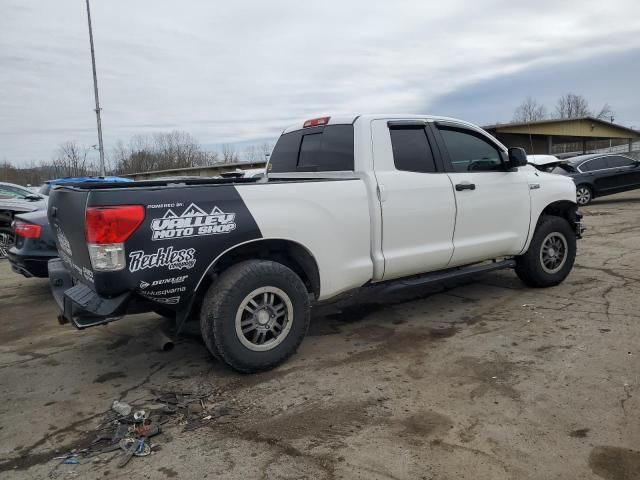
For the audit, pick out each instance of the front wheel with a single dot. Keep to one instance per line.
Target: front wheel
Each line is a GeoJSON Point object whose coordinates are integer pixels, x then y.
{"type": "Point", "coordinates": [584, 195]}
{"type": "Point", "coordinates": [551, 254]}
{"type": "Point", "coordinates": [255, 315]}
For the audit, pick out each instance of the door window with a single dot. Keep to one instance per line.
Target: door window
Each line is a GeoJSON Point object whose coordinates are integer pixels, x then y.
{"type": "Point", "coordinates": [411, 150]}
{"type": "Point", "coordinates": [616, 162]}
{"type": "Point", "coordinates": [471, 153]}
{"type": "Point", "coordinates": [595, 164]}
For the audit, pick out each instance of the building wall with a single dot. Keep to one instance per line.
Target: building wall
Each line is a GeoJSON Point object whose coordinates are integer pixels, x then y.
{"type": "Point", "coordinates": [524, 141]}
{"type": "Point", "coordinates": [570, 128]}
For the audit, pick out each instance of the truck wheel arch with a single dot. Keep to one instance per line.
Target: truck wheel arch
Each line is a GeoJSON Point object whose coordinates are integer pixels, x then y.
{"type": "Point", "coordinates": [287, 252]}
{"type": "Point", "coordinates": [561, 208]}
{"type": "Point", "coordinates": [566, 209]}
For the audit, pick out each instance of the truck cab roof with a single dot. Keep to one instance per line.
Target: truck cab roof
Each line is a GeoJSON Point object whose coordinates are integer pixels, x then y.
{"type": "Point", "coordinates": [344, 119]}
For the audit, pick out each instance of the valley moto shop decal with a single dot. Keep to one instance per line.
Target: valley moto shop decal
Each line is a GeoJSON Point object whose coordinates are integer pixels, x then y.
{"type": "Point", "coordinates": [163, 257]}
{"type": "Point", "coordinates": [192, 222]}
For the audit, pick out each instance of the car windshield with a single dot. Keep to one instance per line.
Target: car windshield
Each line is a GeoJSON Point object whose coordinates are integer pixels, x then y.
{"type": "Point", "coordinates": [14, 191]}
{"type": "Point", "coordinates": [563, 169]}
{"type": "Point", "coordinates": [44, 189]}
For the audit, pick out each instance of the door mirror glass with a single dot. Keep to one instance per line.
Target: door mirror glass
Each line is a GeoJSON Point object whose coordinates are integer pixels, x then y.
{"type": "Point", "coordinates": [517, 157]}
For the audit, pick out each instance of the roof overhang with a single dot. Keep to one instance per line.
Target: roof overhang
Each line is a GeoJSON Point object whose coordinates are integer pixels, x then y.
{"type": "Point", "coordinates": [587, 127]}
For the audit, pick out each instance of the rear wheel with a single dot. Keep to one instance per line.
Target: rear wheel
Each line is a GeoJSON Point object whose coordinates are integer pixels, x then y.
{"type": "Point", "coordinates": [584, 195]}
{"type": "Point", "coordinates": [551, 253]}
{"type": "Point", "coordinates": [255, 315]}
{"type": "Point", "coordinates": [7, 239]}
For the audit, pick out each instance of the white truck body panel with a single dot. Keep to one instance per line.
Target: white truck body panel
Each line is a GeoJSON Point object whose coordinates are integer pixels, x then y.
{"type": "Point", "coordinates": [329, 218]}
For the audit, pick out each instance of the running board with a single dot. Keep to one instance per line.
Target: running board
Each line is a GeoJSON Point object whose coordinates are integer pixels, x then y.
{"type": "Point", "coordinates": [449, 274]}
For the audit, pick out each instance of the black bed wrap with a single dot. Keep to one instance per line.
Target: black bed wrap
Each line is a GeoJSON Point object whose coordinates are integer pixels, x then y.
{"type": "Point", "coordinates": [186, 227]}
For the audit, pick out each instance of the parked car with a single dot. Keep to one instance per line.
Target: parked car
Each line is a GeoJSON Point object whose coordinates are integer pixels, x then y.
{"type": "Point", "coordinates": [245, 173]}
{"type": "Point", "coordinates": [34, 244]}
{"type": "Point", "coordinates": [31, 242]}
{"type": "Point", "coordinates": [15, 199]}
{"type": "Point", "coordinates": [348, 202]}
{"type": "Point", "coordinates": [598, 175]}
{"type": "Point", "coordinates": [544, 163]}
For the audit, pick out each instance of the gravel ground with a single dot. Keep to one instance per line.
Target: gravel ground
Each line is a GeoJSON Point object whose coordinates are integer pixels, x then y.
{"type": "Point", "coordinates": [483, 379]}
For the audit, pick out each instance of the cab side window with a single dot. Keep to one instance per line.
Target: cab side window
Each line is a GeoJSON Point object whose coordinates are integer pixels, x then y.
{"type": "Point", "coordinates": [469, 152]}
{"type": "Point", "coordinates": [411, 150]}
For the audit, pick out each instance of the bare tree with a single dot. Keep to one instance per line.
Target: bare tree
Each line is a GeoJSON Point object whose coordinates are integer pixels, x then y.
{"type": "Point", "coordinates": [160, 151]}
{"type": "Point", "coordinates": [572, 106]}
{"type": "Point", "coordinates": [266, 149]}
{"type": "Point", "coordinates": [229, 155]}
{"type": "Point", "coordinates": [606, 113]}
{"type": "Point", "coordinates": [71, 160]}
{"type": "Point", "coordinates": [253, 154]}
{"type": "Point", "coordinates": [529, 111]}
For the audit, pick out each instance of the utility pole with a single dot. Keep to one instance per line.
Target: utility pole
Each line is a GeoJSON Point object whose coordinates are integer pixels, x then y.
{"type": "Point", "coordinates": [95, 91]}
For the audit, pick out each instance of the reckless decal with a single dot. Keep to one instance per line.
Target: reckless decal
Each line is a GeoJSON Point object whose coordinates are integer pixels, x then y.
{"type": "Point", "coordinates": [164, 281]}
{"type": "Point", "coordinates": [65, 245]}
{"type": "Point", "coordinates": [192, 222]}
{"type": "Point", "coordinates": [163, 257]}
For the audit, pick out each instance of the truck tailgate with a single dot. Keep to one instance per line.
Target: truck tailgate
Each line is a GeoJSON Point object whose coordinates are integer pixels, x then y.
{"type": "Point", "coordinates": [66, 217]}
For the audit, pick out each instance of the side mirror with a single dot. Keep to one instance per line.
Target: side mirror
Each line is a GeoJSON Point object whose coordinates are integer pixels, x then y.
{"type": "Point", "coordinates": [517, 157]}
{"type": "Point", "coordinates": [32, 197]}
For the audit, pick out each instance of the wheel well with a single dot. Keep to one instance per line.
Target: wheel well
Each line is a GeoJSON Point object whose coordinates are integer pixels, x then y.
{"type": "Point", "coordinates": [286, 252]}
{"type": "Point", "coordinates": [6, 217]}
{"type": "Point", "coordinates": [562, 208]}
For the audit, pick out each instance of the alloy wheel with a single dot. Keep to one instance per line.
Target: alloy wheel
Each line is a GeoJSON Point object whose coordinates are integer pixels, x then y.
{"type": "Point", "coordinates": [264, 319]}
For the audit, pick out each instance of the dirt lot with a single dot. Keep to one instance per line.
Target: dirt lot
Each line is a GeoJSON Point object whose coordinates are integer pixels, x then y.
{"type": "Point", "coordinates": [481, 380]}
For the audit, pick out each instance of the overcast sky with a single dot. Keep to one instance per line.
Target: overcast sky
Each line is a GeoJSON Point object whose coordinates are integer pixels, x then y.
{"type": "Point", "coordinates": [241, 71]}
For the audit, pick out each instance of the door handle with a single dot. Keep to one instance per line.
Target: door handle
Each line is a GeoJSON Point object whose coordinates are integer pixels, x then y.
{"type": "Point", "coordinates": [465, 186]}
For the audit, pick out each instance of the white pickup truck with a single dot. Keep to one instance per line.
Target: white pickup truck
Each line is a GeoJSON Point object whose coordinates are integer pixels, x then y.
{"type": "Point", "coordinates": [348, 202]}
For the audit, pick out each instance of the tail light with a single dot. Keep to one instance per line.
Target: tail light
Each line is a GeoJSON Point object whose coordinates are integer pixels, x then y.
{"type": "Point", "coordinates": [27, 230]}
{"type": "Point", "coordinates": [316, 122]}
{"type": "Point", "coordinates": [106, 230]}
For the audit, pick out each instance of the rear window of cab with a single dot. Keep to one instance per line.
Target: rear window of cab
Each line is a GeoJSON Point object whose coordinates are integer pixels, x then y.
{"type": "Point", "coordinates": [319, 149]}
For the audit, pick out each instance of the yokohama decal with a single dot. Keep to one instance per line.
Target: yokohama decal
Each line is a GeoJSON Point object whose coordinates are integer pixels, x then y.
{"type": "Point", "coordinates": [192, 222]}
{"type": "Point", "coordinates": [163, 257]}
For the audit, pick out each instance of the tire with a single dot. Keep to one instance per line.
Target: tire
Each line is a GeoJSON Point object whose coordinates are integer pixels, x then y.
{"type": "Point", "coordinates": [584, 195]}
{"type": "Point", "coordinates": [548, 267]}
{"type": "Point", "coordinates": [255, 315]}
{"type": "Point", "coordinates": [7, 240]}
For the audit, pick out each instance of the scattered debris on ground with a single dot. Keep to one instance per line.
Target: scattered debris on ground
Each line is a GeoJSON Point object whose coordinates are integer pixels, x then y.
{"type": "Point", "coordinates": [127, 431]}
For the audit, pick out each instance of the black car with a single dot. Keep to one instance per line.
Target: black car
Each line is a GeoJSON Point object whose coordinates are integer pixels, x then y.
{"type": "Point", "coordinates": [598, 175]}
{"type": "Point", "coordinates": [34, 244]}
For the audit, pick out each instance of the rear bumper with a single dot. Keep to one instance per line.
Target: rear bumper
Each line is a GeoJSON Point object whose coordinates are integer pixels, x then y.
{"type": "Point", "coordinates": [79, 304]}
{"type": "Point", "coordinates": [29, 266]}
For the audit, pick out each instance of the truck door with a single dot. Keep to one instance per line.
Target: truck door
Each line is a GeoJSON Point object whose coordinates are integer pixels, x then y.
{"type": "Point", "coordinates": [493, 203]}
{"type": "Point", "coordinates": [416, 197]}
